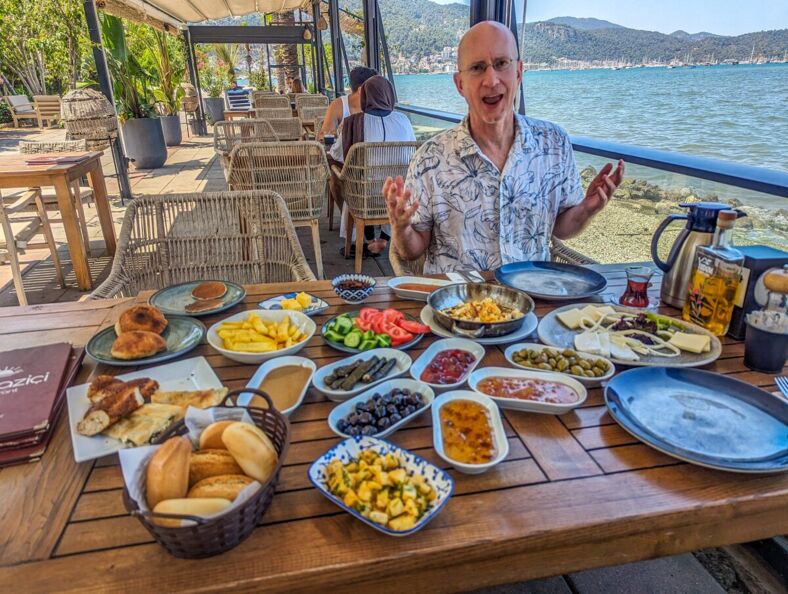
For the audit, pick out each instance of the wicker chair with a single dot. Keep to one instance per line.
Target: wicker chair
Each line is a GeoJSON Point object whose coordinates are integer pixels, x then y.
{"type": "Point", "coordinates": [79, 193]}
{"type": "Point", "coordinates": [559, 252]}
{"type": "Point", "coordinates": [243, 237]}
{"type": "Point", "coordinates": [273, 113]}
{"type": "Point", "coordinates": [310, 100]}
{"type": "Point", "coordinates": [257, 98]}
{"type": "Point", "coordinates": [308, 116]}
{"type": "Point", "coordinates": [227, 134]}
{"type": "Point", "coordinates": [271, 102]}
{"type": "Point", "coordinates": [367, 166]}
{"type": "Point", "coordinates": [287, 128]}
{"type": "Point", "coordinates": [298, 171]}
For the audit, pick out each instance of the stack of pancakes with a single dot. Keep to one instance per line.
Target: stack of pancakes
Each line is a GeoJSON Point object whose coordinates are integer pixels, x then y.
{"type": "Point", "coordinates": [139, 332]}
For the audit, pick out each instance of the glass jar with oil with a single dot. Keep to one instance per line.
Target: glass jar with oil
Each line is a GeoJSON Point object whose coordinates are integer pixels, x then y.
{"type": "Point", "coordinates": [716, 274]}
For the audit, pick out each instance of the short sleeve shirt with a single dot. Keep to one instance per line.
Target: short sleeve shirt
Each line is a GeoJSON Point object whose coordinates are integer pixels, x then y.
{"type": "Point", "coordinates": [481, 217]}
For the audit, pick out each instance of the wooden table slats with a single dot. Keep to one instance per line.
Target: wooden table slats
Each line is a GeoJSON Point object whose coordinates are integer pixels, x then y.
{"type": "Point", "coordinates": [576, 491]}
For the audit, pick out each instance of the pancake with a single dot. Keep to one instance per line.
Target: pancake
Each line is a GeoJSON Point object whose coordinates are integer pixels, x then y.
{"type": "Point", "coordinates": [141, 317]}
{"type": "Point", "coordinates": [203, 305]}
{"type": "Point", "coordinates": [137, 344]}
{"type": "Point", "coordinates": [209, 290]}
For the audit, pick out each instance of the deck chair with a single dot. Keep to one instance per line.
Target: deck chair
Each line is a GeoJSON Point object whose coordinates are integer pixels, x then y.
{"type": "Point", "coordinates": [237, 100]}
{"type": "Point", "coordinates": [47, 109]}
{"type": "Point", "coordinates": [243, 237]}
{"type": "Point", "coordinates": [298, 171]}
{"type": "Point", "coordinates": [21, 109]}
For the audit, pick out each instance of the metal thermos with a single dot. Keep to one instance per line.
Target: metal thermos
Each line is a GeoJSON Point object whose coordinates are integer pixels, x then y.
{"type": "Point", "coordinates": [699, 230]}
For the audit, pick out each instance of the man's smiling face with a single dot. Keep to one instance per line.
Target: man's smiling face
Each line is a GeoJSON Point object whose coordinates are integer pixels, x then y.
{"type": "Point", "coordinates": [489, 92]}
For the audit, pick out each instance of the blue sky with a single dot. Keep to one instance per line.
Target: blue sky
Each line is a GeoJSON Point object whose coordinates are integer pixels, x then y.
{"type": "Point", "coordinates": [724, 17]}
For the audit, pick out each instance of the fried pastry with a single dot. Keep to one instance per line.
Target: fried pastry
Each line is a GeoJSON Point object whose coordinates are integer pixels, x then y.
{"type": "Point", "coordinates": [141, 317]}
{"type": "Point", "coordinates": [137, 344]}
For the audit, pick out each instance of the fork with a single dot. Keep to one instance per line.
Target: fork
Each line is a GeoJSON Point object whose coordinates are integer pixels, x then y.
{"type": "Point", "coordinates": [782, 383]}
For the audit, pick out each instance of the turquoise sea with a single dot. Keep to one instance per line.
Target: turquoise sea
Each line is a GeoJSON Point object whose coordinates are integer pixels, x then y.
{"type": "Point", "coordinates": [735, 113]}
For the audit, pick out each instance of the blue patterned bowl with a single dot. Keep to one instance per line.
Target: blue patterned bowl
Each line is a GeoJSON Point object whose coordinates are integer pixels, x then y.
{"type": "Point", "coordinates": [353, 296]}
{"type": "Point", "coordinates": [351, 448]}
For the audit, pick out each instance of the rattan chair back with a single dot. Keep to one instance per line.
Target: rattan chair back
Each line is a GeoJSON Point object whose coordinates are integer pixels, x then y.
{"type": "Point", "coordinates": [287, 128]}
{"type": "Point", "coordinates": [271, 102]}
{"type": "Point", "coordinates": [311, 100]}
{"type": "Point", "coordinates": [229, 133]}
{"type": "Point", "coordinates": [273, 113]}
{"type": "Point", "coordinates": [243, 237]}
{"type": "Point", "coordinates": [367, 166]}
{"type": "Point", "coordinates": [310, 114]}
{"type": "Point", "coordinates": [298, 171]}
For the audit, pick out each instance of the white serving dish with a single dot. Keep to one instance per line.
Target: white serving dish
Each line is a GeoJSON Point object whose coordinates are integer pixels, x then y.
{"type": "Point", "coordinates": [403, 364]}
{"type": "Point", "coordinates": [586, 381]}
{"type": "Point", "coordinates": [185, 375]}
{"type": "Point", "coordinates": [499, 434]}
{"type": "Point", "coordinates": [351, 449]}
{"type": "Point", "coordinates": [394, 283]}
{"type": "Point", "coordinates": [304, 323]}
{"type": "Point", "coordinates": [529, 405]}
{"type": "Point", "coordinates": [264, 369]}
{"type": "Point", "coordinates": [420, 364]}
{"type": "Point", "coordinates": [344, 409]}
{"type": "Point", "coordinates": [275, 304]}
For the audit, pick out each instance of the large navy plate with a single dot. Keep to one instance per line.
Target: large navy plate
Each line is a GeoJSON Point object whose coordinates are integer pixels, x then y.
{"type": "Point", "coordinates": [552, 281]}
{"type": "Point", "coordinates": [702, 417]}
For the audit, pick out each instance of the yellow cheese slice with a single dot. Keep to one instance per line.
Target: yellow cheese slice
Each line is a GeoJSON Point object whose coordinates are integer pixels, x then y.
{"type": "Point", "coordinates": [570, 318]}
{"type": "Point", "coordinates": [694, 343]}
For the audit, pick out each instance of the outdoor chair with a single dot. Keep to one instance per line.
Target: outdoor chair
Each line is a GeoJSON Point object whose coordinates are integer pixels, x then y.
{"type": "Point", "coordinates": [242, 237]}
{"type": "Point", "coordinates": [311, 100]}
{"type": "Point", "coordinates": [559, 252]}
{"type": "Point", "coordinates": [237, 100]}
{"type": "Point", "coordinates": [287, 128]}
{"type": "Point", "coordinates": [366, 167]}
{"type": "Point", "coordinates": [79, 193]}
{"type": "Point", "coordinates": [298, 171]}
{"type": "Point", "coordinates": [273, 113]}
{"type": "Point", "coordinates": [227, 134]}
{"type": "Point", "coordinates": [308, 116]}
{"type": "Point", "coordinates": [272, 102]}
{"type": "Point", "coordinates": [21, 109]}
{"type": "Point", "coordinates": [47, 109]}
{"type": "Point", "coordinates": [257, 97]}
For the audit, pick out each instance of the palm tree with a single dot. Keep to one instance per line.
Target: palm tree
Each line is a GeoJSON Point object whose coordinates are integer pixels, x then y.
{"type": "Point", "coordinates": [286, 55]}
{"type": "Point", "coordinates": [229, 54]}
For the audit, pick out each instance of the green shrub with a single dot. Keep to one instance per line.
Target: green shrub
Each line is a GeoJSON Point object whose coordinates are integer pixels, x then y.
{"type": "Point", "coordinates": [5, 113]}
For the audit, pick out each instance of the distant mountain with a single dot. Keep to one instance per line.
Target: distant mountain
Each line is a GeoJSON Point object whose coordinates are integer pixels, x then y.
{"type": "Point", "coordinates": [684, 36]}
{"type": "Point", "coordinates": [585, 24]}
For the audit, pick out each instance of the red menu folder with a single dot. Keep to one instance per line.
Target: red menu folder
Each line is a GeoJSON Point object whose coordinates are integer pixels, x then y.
{"type": "Point", "coordinates": [30, 382]}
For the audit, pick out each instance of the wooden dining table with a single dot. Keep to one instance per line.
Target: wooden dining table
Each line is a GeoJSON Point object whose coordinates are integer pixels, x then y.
{"type": "Point", "coordinates": [16, 173]}
{"type": "Point", "coordinates": [575, 492]}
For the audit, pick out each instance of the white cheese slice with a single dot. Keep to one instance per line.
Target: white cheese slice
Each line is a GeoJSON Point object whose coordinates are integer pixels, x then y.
{"type": "Point", "coordinates": [619, 349]}
{"type": "Point", "coordinates": [592, 312]}
{"type": "Point", "coordinates": [604, 344]}
{"type": "Point", "coordinates": [570, 318]}
{"type": "Point", "coordinates": [694, 343]}
{"type": "Point", "coordinates": [588, 342]}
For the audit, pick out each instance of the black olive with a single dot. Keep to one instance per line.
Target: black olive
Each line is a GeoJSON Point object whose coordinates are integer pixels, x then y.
{"type": "Point", "coordinates": [391, 408]}
{"type": "Point", "coordinates": [342, 425]}
{"type": "Point", "coordinates": [384, 423]}
{"type": "Point", "coordinates": [380, 412]}
{"type": "Point", "coordinates": [369, 430]}
{"type": "Point", "coordinates": [365, 418]}
{"type": "Point", "coordinates": [395, 418]}
{"type": "Point", "coordinates": [354, 430]}
{"type": "Point", "coordinates": [409, 410]}
{"type": "Point", "coordinates": [362, 407]}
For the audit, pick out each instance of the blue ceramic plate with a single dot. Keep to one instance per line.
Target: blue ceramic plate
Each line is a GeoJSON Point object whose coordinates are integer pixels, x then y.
{"type": "Point", "coordinates": [701, 417]}
{"type": "Point", "coordinates": [182, 335]}
{"type": "Point", "coordinates": [350, 450]}
{"type": "Point", "coordinates": [354, 314]}
{"type": "Point", "coordinates": [552, 281]}
{"type": "Point", "coordinates": [275, 303]}
{"type": "Point", "coordinates": [173, 300]}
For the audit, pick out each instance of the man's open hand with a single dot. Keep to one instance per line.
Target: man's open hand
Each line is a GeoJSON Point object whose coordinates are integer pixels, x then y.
{"type": "Point", "coordinates": [398, 203]}
{"type": "Point", "coordinates": [601, 189]}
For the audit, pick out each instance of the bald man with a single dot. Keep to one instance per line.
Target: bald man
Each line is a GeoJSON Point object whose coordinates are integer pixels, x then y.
{"type": "Point", "coordinates": [495, 188]}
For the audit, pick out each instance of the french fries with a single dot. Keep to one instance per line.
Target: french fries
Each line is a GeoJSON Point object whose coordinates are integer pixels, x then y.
{"type": "Point", "coordinates": [254, 335]}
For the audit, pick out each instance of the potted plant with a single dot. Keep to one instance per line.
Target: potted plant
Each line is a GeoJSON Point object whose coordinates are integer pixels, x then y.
{"type": "Point", "coordinates": [212, 83]}
{"type": "Point", "coordinates": [143, 137]}
{"type": "Point", "coordinates": [169, 93]}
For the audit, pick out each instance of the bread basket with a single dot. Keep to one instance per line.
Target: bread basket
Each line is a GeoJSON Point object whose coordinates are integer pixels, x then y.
{"type": "Point", "coordinates": [212, 536]}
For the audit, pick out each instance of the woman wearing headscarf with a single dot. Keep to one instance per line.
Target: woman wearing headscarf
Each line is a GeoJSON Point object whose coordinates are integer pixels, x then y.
{"type": "Point", "coordinates": [377, 122]}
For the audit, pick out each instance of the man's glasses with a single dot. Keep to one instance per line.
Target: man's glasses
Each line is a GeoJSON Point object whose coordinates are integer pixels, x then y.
{"type": "Point", "coordinates": [498, 64]}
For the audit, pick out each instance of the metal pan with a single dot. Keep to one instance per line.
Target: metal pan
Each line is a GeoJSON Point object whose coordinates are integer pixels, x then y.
{"type": "Point", "coordinates": [457, 294]}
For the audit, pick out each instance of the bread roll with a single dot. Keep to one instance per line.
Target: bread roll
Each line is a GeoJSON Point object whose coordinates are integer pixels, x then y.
{"type": "Point", "coordinates": [211, 437]}
{"type": "Point", "coordinates": [141, 317]}
{"type": "Point", "coordinates": [252, 449]}
{"type": "Point", "coordinates": [226, 486]}
{"type": "Point", "coordinates": [202, 507]}
{"type": "Point", "coordinates": [207, 463]}
{"type": "Point", "coordinates": [167, 475]}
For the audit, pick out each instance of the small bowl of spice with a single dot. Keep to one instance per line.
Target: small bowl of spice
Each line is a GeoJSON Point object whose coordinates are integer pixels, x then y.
{"type": "Point", "coordinates": [353, 288]}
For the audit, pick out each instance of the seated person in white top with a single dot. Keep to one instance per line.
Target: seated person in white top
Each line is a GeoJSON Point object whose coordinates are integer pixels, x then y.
{"type": "Point", "coordinates": [495, 188]}
{"type": "Point", "coordinates": [346, 105]}
{"type": "Point", "coordinates": [378, 122]}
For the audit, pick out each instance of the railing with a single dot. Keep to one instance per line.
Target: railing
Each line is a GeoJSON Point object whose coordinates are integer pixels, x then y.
{"type": "Point", "coordinates": [656, 183]}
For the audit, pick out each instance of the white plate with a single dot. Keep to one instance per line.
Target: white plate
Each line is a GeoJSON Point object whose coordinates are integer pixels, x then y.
{"type": "Point", "coordinates": [420, 364]}
{"type": "Point", "coordinates": [265, 369]}
{"type": "Point", "coordinates": [529, 325]}
{"type": "Point", "coordinates": [304, 323]}
{"type": "Point", "coordinates": [530, 405]}
{"type": "Point", "coordinates": [186, 375]}
{"type": "Point", "coordinates": [344, 409]}
{"type": "Point", "coordinates": [275, 304]}
{"type": "Point", "coordinates": [586, 381]}
{"type": "Point", "coordinates": [403, 364]}
{"type": "Point", "coordinates": [499, 434]}
{"type": "Point", "coordinates": [420, 280]}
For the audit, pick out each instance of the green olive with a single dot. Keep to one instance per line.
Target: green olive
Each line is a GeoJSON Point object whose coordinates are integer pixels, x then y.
{"type": "Point", "coordinates": [598, 372]}
{"type": "Point", "coordinates": [568, 353]}
{"type": "Point", "coordinates": [588, 373]}
{"type": "Point", "coordinates": [584, 364]}
{"type": "Point", "coordinates": [551, 362]}
{"type": "Point", "coordinates": [545, 366]}
{"type": "Point", "coordinates": [562, 365]}
{"type": "Point", "coordinates": [576, 370]}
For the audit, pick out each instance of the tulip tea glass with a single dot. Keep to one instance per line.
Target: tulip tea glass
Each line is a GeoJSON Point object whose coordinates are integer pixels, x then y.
{"type": "Point", "coordinates": [638, 282]}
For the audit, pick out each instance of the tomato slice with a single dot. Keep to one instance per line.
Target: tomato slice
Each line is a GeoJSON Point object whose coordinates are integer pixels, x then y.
{"type": "Point", "coordinates": [368, 313]}
{"type": "Point", "coordinates": [362, 324]}
{"type": "Point", "coordinates": [379, 325]}
{"type": "Point", "coordinates": [398, 335]}
{"type": "Point", "coordinates": [413, 327]}
{"type": "Point", "coordinates": [392, 315]}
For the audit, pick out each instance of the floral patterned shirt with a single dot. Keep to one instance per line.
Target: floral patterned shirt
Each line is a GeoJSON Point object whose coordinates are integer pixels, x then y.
{"type": "Point", "coordinates": [481, 217]}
